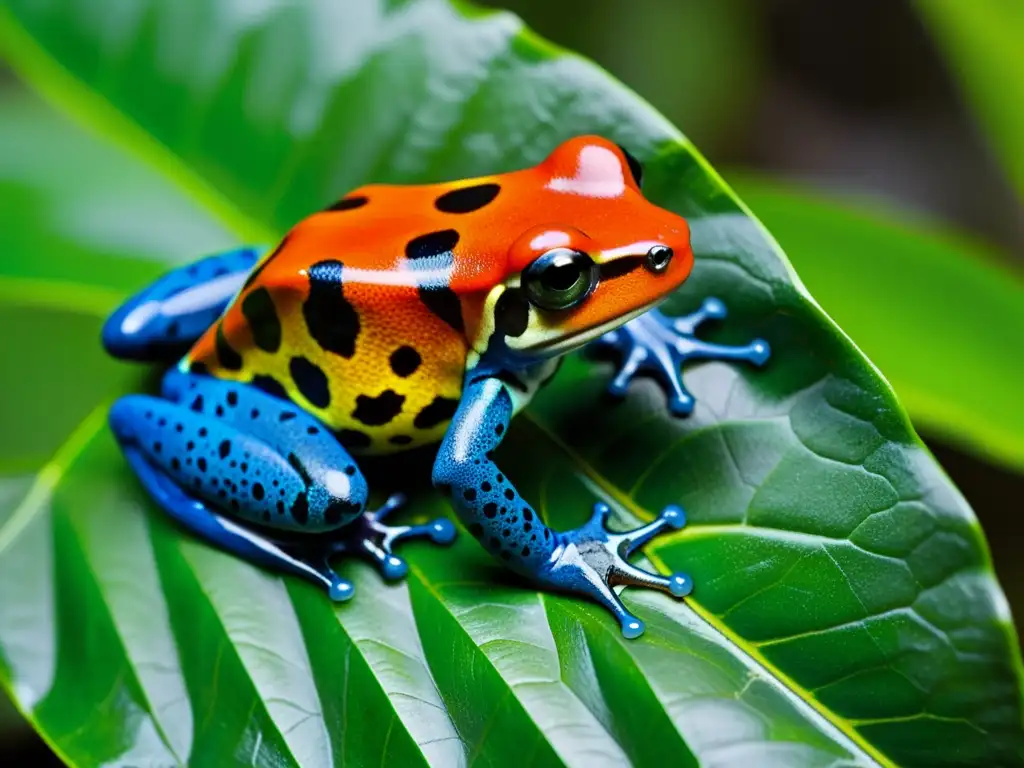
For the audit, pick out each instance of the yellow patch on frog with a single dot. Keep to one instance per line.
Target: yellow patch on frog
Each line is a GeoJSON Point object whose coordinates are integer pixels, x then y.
{"type": "Point", "coordinates": [397, 391]}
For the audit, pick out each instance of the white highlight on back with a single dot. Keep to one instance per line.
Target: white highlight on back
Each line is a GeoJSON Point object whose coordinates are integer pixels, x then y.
{"type": "Point", "coordinates": [204, 295]}
{"type": "Point", "coordinates": [408, 278]}
{"type": "Point", "coordinates": [598, 174]}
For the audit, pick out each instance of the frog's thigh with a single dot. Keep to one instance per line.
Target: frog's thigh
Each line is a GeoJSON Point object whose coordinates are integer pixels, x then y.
{"type": "Point", "coordinates": [249, 453]}
{"type": "Point", "coordinates": [227, 534]}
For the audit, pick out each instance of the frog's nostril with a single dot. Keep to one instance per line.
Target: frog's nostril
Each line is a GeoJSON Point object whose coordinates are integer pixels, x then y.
{"type": "Point", "coordinates": [658, 258]}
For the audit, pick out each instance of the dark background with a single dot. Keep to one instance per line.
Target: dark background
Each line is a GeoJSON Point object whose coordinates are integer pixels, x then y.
{"type": "Point", "coordinates": [847, 95]}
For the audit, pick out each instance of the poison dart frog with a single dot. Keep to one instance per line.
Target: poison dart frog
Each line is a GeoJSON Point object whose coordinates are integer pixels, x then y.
{"type": "Point", "coordinates": [397, 317]}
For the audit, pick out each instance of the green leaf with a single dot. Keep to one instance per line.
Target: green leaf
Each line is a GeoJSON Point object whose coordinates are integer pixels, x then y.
{"type": "Point", "coordinates": [73, 244]}
{"type": "Point", "coordinates": [933, 310]}
{"type": "Point", "coordinates": [845, 609]}
{"type": "Point", "coordinates": [111, 225]}
{"type": "Point", "coordinates": [982, 40]}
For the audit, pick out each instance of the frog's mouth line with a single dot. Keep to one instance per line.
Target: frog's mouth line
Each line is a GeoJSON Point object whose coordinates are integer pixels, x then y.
{"type": "Point", "coordinates": [609, 270]}
{"type": "Point", "coordinates": [582, 336]}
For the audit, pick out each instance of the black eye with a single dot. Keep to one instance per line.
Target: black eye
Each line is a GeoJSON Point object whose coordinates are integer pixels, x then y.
{"type": "Point", "coordinates": [658, 258]}
{"type": "Point", "coordinates": [560, 279]}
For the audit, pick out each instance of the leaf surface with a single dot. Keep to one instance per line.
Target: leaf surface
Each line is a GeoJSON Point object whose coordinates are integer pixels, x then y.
{"type": "Point", "coordinates": [933, 310]}
{"type": "Point", "coordinates": [834, 560]}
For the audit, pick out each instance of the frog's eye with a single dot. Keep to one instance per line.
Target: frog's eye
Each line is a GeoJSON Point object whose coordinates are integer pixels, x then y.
{"type": "Point", "coordinates": [560, 279]}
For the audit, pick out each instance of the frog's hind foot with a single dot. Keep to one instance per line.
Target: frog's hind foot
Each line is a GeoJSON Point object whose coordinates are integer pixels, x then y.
{"type": "Point", "coordinates": [660, 345]}
{"type": "Point", "coordinates": [593, 559]}
{"type": "Point", "coordinates": [300, 554]}
{"type": "Point", "coordinates": [369, 537]}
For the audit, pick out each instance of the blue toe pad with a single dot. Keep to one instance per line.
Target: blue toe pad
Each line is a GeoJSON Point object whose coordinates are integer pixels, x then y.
{"type": "Point", "coordinates": [660, 345]}
{"type": "Point", "coordinates": [593, 559]}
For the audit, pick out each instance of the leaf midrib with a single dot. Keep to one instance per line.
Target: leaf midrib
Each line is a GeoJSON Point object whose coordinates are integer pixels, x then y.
{"type": "Point", "coordinates": [50, 476]}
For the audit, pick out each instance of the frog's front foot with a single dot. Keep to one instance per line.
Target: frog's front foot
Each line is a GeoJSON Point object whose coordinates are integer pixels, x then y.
{"type": "Point", "coordinates": [660, 345]}
{"type": "Point", "coordinates": [592, 559]}
{"type": "Point", "coordinates": [369, 537]}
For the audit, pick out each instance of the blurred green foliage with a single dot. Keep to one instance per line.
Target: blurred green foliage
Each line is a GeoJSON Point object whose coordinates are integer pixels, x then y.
{"type": "Point", "coordinates": [984, 40]}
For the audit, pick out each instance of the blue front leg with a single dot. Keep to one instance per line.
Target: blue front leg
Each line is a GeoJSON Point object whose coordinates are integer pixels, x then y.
{"type": "Point", "coordinates": [588, 560]}
{"type": "Point", "coordinates": [661, 345]}
{"type": "Point", "coordinates": [163, 320]}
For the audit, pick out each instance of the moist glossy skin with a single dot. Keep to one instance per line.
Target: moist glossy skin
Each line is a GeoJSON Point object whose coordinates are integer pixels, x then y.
{"type": "Point", "coordinates": [368, 313]}
{"type": "Point", "coordinates": [397, 317]}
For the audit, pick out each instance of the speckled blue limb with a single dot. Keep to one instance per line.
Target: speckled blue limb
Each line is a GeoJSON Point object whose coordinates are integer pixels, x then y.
{"type": "Point", "coordinates": [661, 345]}
{"type": "Point", "coordinates": [238, 449]}
{"type": "Point", "coordinates": [229, 535]}
{"type": "Point", "coordinates": [590, 560]}
{"type": "Point", "coordinates": [164, 319]}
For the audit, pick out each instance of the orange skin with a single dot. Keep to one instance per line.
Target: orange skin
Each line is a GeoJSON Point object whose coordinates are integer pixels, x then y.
{"type": "Point", "coordinates": [583, 196]}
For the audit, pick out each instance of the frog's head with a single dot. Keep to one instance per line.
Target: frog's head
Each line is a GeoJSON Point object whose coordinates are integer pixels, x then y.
{"type": "Point", "coordinates": [598, 255]}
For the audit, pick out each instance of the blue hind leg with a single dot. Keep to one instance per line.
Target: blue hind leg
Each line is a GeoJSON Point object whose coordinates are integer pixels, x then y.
{"type": "Point", "coordinates": [268, 464]}
{"type": "Point", "coordinates": [163, 320]}
{"type": "Point", "coordinates": [228, 534]}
